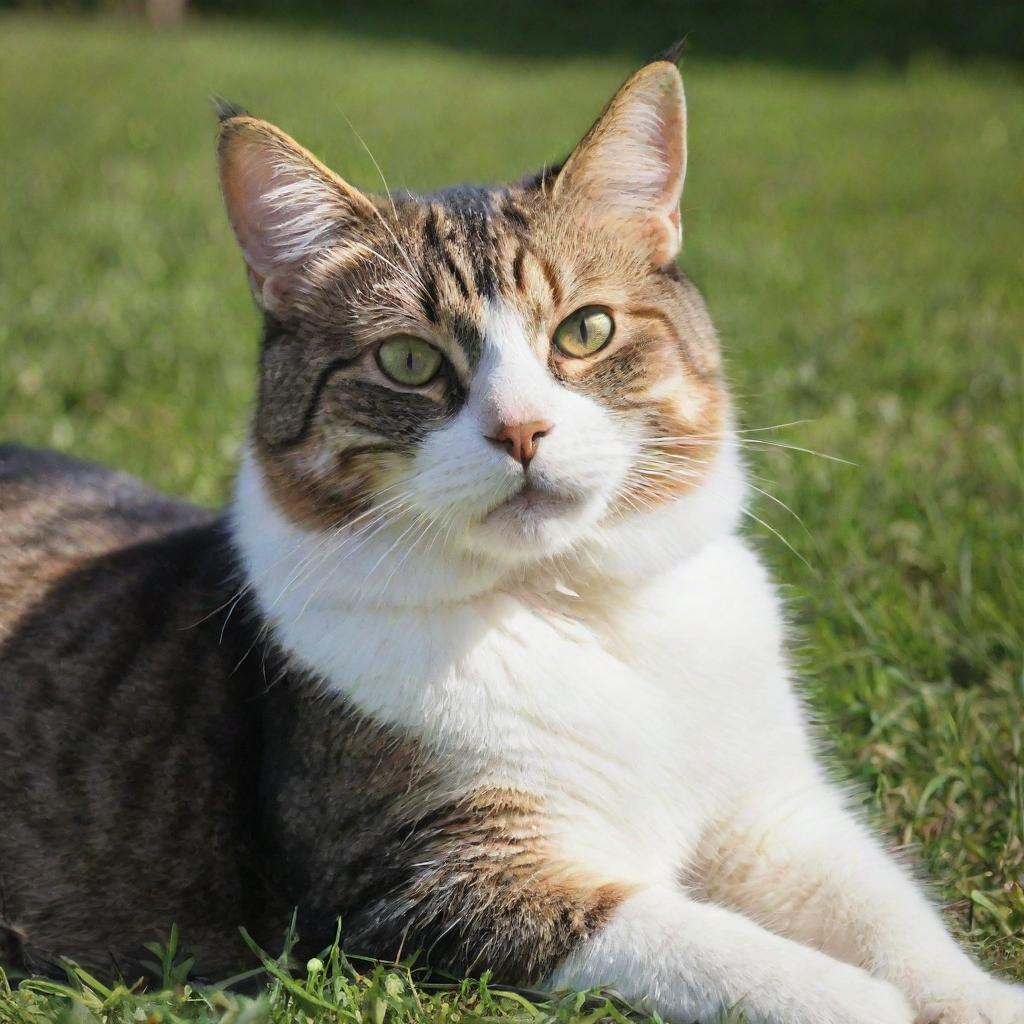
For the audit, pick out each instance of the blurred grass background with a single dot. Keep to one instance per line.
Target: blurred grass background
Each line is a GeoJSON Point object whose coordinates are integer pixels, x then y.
{"type": "Point", "coordinates": [854, 213]}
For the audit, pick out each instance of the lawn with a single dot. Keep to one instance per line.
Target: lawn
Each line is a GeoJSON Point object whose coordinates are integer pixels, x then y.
{"type": "Point", "coordinates": [857, 232]}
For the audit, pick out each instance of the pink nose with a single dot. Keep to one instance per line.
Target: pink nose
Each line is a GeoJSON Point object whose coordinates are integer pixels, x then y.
{"type": "Point", "coordinates": [520, 439]}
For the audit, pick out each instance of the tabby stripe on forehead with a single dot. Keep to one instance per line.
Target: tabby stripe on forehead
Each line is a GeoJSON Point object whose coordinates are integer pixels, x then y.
{"type": "Point", "coordinates": [432, 238]}
{"type": "Point", "coordinates": [468, 335]}
{"type": "Point", "coordinates": [516, 216]}
{"type": "Point", "coordinates": [455, 271]}
{"type": "Point", "coordinates": [517, 268]}
{"type": "Point", "coordinates": [481, 253]}
{"type": "Point", "coordinates": [549, 275]}
{"type": "Point", "coordinates": [438, 248]}
{"type": "Point", "coordinates": [428, 296]}
{"type": "Point", "coordinates": [650, 313]}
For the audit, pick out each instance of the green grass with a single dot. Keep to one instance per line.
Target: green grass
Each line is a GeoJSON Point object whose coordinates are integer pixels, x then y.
{"type": "Point", "coordinates": [858, 235]}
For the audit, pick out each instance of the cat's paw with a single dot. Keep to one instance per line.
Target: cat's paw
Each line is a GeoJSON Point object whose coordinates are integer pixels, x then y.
{"type": "Point", "coordinates": [981, 1001]}
{"type": "Point", "coordinates": [852, 996]}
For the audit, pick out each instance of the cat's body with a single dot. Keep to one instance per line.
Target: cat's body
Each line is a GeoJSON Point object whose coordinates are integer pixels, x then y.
{"type": "Point", "coordinates": [107, 592]}
{"type": "Point", "coordinates": [479, 662]}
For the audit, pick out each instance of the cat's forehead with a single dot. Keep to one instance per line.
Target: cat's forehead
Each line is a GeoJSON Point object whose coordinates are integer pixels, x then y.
{"type": "Point", "coordinates": [472, 248]}
{"type": "Point", "coordinates": [464, 223]}
{"type": "Point", "coordinates": [479, 226]}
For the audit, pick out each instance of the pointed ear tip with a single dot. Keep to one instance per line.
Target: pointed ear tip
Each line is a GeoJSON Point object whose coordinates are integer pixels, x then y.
{"type": "Point", "coordinates": [226, 110]}
{"type": "Point", "coordinates": [671, 54]}
{"type": "Point", "coordinates": [240, 133]}
{"type": "Point", "coordinates": [661, 67]}
{"type": "Point", "coordinates": [660, 80]}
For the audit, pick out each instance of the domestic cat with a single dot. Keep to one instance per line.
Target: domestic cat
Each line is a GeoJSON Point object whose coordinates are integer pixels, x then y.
{"type": "Point", "coordinates": [476, 660]}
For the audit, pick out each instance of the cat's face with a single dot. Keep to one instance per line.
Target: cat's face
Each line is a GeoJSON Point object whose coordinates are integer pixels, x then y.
{"type": "Point", "coordinates": [512, 370]}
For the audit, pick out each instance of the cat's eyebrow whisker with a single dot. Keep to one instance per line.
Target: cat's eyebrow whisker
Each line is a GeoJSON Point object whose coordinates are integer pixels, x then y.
{"type": "Point", "coordinates": [417, 273]}
{"type": "Point", "coordinates": [373, 159]}
{"type": "Point", "coordinates": [413, 282]}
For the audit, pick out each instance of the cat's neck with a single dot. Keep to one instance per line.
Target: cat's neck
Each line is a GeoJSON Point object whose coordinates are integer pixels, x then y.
{"type": "Point", "coordinates": [290, 570]}
{"type": "Point", "coordinates": [418, 639]}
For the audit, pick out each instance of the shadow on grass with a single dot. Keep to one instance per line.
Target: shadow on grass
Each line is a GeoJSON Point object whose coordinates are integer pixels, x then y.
{"type": "Point", "coordinates": [822, 34]}
{"type": "Point", "coordinates": [818, 34]}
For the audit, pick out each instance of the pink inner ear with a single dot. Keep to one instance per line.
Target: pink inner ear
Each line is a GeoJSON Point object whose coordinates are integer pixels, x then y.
{"type": "Point", "coordinates": [646, 146]}
{"type": "Point", "coordinates": [633, 162]}
{"type": "Point", "coordinates": [247, 178]}
{"type": "Point", "coordinates": [281, 206]}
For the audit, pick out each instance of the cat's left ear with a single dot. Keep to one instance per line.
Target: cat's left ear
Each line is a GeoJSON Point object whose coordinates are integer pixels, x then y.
{"type": "Point", "coordinates": [630, 166]}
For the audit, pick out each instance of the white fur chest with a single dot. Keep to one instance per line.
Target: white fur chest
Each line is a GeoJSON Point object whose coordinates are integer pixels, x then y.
{"type": "Point", "coordinates": [633, 717]}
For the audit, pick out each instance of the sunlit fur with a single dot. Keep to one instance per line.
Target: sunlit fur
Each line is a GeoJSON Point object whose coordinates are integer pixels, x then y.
{"type": "Point", "coordinates": [608, 649]}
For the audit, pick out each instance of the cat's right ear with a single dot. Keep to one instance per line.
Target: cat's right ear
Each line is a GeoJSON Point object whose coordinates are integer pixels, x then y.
{"type": "Point", "coordinates": [284, 205]}
{"type": "Point", "coordinates": [630, 166]}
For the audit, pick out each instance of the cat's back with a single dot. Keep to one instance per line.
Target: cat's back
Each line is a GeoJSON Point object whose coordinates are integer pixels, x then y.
{"type": "Point", "coordinates": [128, 710]}
{"type": "Point", "coordinates": [58, 513]}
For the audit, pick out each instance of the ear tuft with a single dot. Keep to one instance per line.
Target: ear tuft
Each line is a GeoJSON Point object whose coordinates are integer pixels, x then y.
{"type": "Point", "coordinates": [226, 109]}
{"type": "Point", "coordinates": [284, 205]}
{"type": "Point", "coordinates": [672, 54]}
{"type": "Point", "coordinates": [630, 166]}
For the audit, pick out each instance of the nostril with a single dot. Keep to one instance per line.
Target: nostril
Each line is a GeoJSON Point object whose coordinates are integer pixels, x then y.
{"type": "Point", "coordinates": [520, 439]}
{"type": "Point", "coordinates": [532, 433]}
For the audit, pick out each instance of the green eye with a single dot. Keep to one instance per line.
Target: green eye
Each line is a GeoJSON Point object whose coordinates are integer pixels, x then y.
{"type": "Point", "coordinates": [587, 331]}
{"type": "Point", "coordinates": [408, 360]}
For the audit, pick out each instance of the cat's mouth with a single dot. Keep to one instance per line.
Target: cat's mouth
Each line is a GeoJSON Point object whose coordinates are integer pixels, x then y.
{"type": "Point", "coordinates": [535, 521]}
{"type": "Point", "coordinates": [533, 500]}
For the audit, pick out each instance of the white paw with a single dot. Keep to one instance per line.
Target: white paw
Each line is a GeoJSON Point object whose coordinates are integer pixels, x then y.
{"type": "Point", "coordinates": [982, 1001]}
{"type": "Point", "coordinates": [848, 995]}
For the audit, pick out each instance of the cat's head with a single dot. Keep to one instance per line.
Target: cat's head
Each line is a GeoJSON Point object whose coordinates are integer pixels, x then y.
{"type": "Point", "coordinates": [506, 373]}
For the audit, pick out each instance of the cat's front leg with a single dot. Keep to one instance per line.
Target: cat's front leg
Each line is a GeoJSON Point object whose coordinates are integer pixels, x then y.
{"type": "Point", "coordinates": [690, 961]}
{"type": "Point", "coordinates": [798, 861]}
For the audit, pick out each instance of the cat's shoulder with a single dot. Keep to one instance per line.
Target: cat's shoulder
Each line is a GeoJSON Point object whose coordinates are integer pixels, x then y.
{"type": "Point", "coordinates": [31, 473]}
{"type": "Point", "coordinates": [46, 496]}
{"type": "Point", "coordinates": [726, 573]}
{"type": "Point", "coordinates": [713, 614]}
{"type": "Point", "coordinates": [60, 515]}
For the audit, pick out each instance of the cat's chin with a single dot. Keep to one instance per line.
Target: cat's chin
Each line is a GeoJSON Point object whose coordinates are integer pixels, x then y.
{"type": "Point", "coordinates": [533, 524]}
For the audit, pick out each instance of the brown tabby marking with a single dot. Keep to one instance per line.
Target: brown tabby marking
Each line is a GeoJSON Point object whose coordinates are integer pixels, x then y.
{"type": "Point", "coordinates": [468, 878]}
{"type": "Point", "coordinates": [127, 722]}
{"type": "Point", "coordinates": [522, 912]}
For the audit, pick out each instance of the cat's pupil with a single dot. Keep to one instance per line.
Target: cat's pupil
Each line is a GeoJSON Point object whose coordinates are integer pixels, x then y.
{"type": "Point", "coordinates": [408, 359]}
{"type": "Point", "coordinates": [583, 331]}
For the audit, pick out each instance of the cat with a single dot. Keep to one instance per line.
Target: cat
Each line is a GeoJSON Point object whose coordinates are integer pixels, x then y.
{"type": "Point", "coordinates": [476, 659]}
